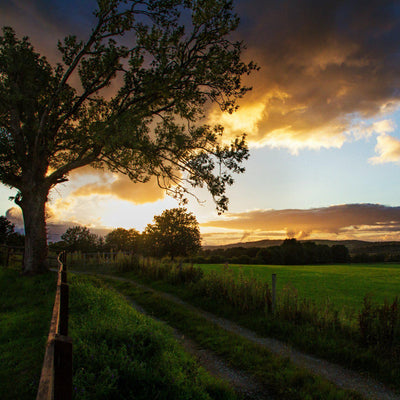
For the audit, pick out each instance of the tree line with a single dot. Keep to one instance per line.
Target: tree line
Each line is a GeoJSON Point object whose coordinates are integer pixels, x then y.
{"type": "Point", "coordinates": [290, 252]}
{"type": "Point", "coordinates": [174, 233]}
{"type": "Point", "coordinates": [8, 236]}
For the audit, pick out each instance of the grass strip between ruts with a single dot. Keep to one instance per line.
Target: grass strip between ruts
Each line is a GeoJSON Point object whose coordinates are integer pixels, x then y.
{"type": "Point", "coordinates": [279, 375]}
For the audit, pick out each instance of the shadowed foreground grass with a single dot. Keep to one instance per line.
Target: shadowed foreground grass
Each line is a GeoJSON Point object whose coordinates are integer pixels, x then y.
{"type": "Point", "coordinates": [26, 305]}
{"type": "Point", "coordinates": [118, 353]}
{"type": "Point", "coordinates": [121, 354]}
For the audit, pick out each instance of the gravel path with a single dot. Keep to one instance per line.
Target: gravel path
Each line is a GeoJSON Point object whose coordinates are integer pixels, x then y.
{"type": "Point", "coordinates": [240, 381]}
{"type": "Point", "coordinates": [340, 376]}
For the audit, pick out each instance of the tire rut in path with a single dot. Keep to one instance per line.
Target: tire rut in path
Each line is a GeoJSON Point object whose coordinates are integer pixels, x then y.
{"type": "Point", "coordinates": [340, 376]}
{"type": "Point", "coordinates": [241, 382]}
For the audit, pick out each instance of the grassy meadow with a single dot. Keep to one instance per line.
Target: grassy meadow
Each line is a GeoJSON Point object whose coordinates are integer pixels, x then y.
{"type": "Point", "coordinates": [344, 285]}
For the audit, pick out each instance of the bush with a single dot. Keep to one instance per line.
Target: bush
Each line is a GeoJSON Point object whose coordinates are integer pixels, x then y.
{"type": "Point", "coordinates": [380, 325]}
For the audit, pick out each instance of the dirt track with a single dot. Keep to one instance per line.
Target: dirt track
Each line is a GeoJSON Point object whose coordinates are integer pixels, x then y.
{"type": "Point", "coordinates": [340, 376]}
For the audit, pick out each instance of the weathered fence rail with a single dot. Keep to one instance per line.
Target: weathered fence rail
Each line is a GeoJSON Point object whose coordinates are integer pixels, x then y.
{"type": "Point", "coordinates": [56, 378]}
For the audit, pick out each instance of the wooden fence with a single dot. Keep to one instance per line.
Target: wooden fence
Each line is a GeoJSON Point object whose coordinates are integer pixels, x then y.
{"type": "Point", "coordinates": [9, 255]}
{"type": "Point", "coordinates": [56, 378]}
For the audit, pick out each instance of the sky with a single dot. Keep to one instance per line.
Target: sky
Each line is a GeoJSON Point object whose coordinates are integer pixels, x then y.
{"type": "Point", "coordinates": [322, 123]}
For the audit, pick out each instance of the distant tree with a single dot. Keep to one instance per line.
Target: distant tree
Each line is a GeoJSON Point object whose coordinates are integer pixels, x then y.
{"type": "Point", "coordinates": [292, 252]}
{"type": "Point", "coordinates": [175, 58]}
{"type": "Point", "coordinates": [174, 233]}
{"type": "Point", "coordinates": [340, 253]}
{"type": "Point", "coordinates": [6, 229]}
{"type": "Point", "coordinates": [79, 238]}
{"type": "Point", "coordinates": [121, 239]}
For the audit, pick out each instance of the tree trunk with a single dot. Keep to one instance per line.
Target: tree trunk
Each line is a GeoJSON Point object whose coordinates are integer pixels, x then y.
{"type": "Point", "coordinates": [33, 204]}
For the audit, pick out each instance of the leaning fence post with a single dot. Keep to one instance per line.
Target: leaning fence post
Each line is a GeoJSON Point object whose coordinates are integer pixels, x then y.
{"type": "Point", "coordinates": [273, 293]}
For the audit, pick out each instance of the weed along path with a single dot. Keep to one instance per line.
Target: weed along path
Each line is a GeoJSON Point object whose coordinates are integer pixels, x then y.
{"type": "Point", "coordinates": [341, 377]}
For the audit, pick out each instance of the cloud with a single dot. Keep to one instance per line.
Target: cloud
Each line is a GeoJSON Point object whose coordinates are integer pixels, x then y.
{"type": "Point", "coordinates": [388, 149]}
{"type": "Point", "coordinates": [55, 228]}
{"type": "Point", "coordinates": [362, 130]}
{"type": "Point", "coordinates": [340, 219]}
{"type": "Point", "coordinates": [120, 186]}
{"type": "Point", "coordinates": [322, 65]}
{"type": "Point", "coordinates": [14, 215]}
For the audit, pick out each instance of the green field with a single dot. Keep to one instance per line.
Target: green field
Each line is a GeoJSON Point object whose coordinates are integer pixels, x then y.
{"type": "Point", "coordinates": [344, 285]}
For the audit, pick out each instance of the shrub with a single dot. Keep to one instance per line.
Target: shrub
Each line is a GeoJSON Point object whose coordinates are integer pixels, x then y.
{"type": "Point", "coordinates": [379, 325]}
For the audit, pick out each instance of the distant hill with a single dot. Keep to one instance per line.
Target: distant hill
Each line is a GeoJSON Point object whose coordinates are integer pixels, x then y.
{"type": "Point", "coordinates": [354, 246]}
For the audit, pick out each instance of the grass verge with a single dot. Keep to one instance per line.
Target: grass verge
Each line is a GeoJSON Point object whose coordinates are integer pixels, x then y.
{"type": "Point", "coordinates": [26, 304]}
{"type": "Point", "coordinates": [122, 354]}
{"type": "Point", "coordinates": [280, 377]}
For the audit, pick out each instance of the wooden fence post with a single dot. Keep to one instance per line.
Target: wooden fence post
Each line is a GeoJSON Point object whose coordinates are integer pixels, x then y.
{"type": "Point", "coordinates": [64, 299]}
{"type": "Point", "coordinates": [63, 260]}
{"type": "Point", "coordinates": [56, 377]}
{"type": "Point", "coordinates": [273, 293]}
{"type": "Point", "coordinates": [62, 368]}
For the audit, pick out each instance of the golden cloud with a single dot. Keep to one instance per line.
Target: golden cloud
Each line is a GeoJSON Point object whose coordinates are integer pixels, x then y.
{"type": "Point", "coordinates": [388, 149]}
{"type": "Point", "coordinates": [322, 66]}
{"type": "Point", "coordinates": [123, 188]}
{"type": "Point", "coordinates": [14, 215]}
{"type": "Point", "coordinates": [340, 219]}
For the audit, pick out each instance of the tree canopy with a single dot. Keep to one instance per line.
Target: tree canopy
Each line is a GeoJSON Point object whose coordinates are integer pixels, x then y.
{"type": "Point", "coordinates": [79, 238]}
{"type": "Point", "coordinates": [174, 233]}
{"type": "Point", "coordinates": [6, 229]}
{"type": "Point", "coordinates": [174, 60]}
{"type": "Point", "coordinates": [121, 239]}
{"type": "Point", "coordinates": [8, 235]}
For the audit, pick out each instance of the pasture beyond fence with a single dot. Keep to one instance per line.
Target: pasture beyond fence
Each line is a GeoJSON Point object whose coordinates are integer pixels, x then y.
{"type": "Point", "coordinates": [56, 377]}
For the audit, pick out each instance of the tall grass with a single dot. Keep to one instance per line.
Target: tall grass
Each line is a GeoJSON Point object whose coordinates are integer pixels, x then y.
{"type": "Point", "coordinates": [244, 293]}
{"type": "Point", "coordinates": [154, 269]}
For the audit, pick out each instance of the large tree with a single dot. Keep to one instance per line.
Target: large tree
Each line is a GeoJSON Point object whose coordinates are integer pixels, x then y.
{"type": "Point", "coordinates": [175, 59]}
{"type": "Point", "coordinates": [121, 239]}
{"type": "Point", "coordinates": [174, 233]}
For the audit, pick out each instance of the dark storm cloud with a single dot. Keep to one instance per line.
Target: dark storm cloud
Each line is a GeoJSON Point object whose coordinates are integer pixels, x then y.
{"type": "Point", "coordinates": [47, 21]}
{"type": "Point", "coordinates": [321, 62]}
